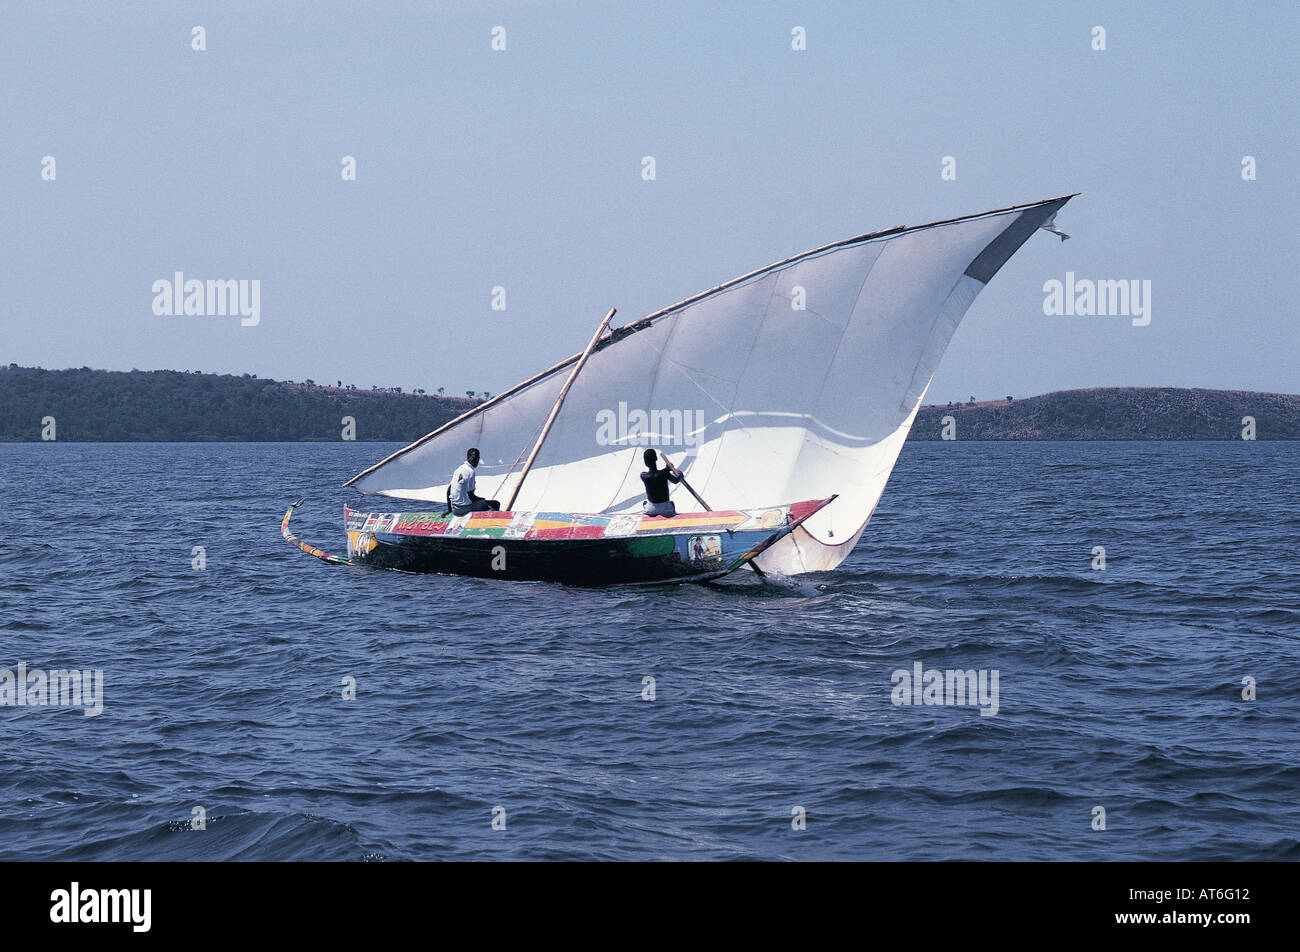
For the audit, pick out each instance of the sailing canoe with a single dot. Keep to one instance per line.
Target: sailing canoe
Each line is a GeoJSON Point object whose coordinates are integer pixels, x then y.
{"type": "Point", "coordinates": [793, 381]}
{"type": "Point", "coordinates": [574, 548]}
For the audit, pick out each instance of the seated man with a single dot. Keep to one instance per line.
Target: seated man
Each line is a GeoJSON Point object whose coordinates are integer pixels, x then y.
{"type": "Point", "coordinates": [460, 491]}
{"type": "Point", "coordinates": [656, 481]}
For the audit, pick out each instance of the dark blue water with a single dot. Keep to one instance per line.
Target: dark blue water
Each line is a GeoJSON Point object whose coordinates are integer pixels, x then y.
{"type": "Point", "coordinates": [1119, 688]}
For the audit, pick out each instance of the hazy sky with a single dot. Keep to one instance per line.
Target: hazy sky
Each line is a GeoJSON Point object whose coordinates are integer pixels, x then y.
{"type": "Point", "coordinates": [523, 168]}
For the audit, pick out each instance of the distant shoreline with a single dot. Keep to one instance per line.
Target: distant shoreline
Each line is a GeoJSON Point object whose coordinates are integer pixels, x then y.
{"type": "Point", "coordinates": [1117, 413]}
{"type": "Point", "coordinates": [170, 406]}
{"type": "Point", "coordinates": [173, 406]}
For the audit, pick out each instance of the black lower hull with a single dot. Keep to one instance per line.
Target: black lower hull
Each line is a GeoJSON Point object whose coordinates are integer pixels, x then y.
{"type": "Point", "coordinates": [576, 562]}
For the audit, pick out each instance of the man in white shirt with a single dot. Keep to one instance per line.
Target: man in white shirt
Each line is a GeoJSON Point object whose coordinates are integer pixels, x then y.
{"type": "Point", "coordinates": [460, 491]}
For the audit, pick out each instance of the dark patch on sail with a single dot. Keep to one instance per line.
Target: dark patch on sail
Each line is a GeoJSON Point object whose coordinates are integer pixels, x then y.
{"type": "Point", "coordinates": [995, 255]}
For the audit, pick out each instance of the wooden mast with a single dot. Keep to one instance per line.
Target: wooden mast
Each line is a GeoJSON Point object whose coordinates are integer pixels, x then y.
{"type": "Point", "coordinates": [555, 410]}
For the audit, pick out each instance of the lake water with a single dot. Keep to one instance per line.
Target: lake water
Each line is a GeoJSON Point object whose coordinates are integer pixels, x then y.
{"type": "Point", "coordinates": [1119, 688]}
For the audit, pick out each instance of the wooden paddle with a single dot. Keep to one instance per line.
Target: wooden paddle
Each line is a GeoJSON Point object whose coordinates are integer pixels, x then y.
{"type": "Point", "coordinates": [689, 488]}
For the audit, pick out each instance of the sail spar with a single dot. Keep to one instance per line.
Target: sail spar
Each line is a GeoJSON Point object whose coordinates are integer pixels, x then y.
{"type": "Point", "coordinates": [796, 381]}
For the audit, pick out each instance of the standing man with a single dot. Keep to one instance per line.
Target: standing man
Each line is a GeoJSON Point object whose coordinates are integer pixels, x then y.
{"type": "Point", "coordinates": [656, 482]}
{"type": "Point", "coordinates": [460, 491]}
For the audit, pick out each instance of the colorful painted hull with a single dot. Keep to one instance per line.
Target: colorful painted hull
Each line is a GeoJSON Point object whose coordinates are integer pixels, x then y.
{"type": "Point", "coordinates": [575, 548]}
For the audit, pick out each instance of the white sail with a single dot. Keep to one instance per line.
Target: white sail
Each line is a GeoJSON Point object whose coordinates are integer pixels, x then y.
{"type": "Point", "coordinates": [793, 382]}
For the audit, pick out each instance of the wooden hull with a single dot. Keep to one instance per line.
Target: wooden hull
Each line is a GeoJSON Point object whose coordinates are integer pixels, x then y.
{"type": "Point", "coordinates": [573, 548]}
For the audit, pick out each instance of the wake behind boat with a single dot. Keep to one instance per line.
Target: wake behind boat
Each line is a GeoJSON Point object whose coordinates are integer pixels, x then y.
{"type": "Point", "coordinates": [797, 381]}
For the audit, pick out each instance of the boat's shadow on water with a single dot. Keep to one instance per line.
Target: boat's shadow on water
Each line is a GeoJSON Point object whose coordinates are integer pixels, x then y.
{"type": "Point", "coordinates": [741, 584]}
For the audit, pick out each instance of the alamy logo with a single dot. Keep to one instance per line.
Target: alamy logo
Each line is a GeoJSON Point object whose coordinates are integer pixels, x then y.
{"type": "Point", "coordinates": [951, 688]}
{"type": "Point", "coordinates": [645, 427]}
{"type": "Point", "coordinates": [209, 299]}
{"type": "Point", "coordinates": [59, 688]}
{"type": "Point", "coordinates": [103, 905]}
{"type": "Point", "coordinates": [1086, 298]}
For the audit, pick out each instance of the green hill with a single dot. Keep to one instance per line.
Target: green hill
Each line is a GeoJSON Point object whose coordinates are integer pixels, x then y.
{"type": "Point", "coordinates": [175, 406]}
{"type": "Point", "coordinates": [171, 405]}
{"type": "Point", "coordinates": [1118, 413]}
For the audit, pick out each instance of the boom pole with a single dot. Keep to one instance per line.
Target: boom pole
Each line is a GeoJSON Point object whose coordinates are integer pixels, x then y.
{"type": "Point", "coordinates": [555, 410]}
